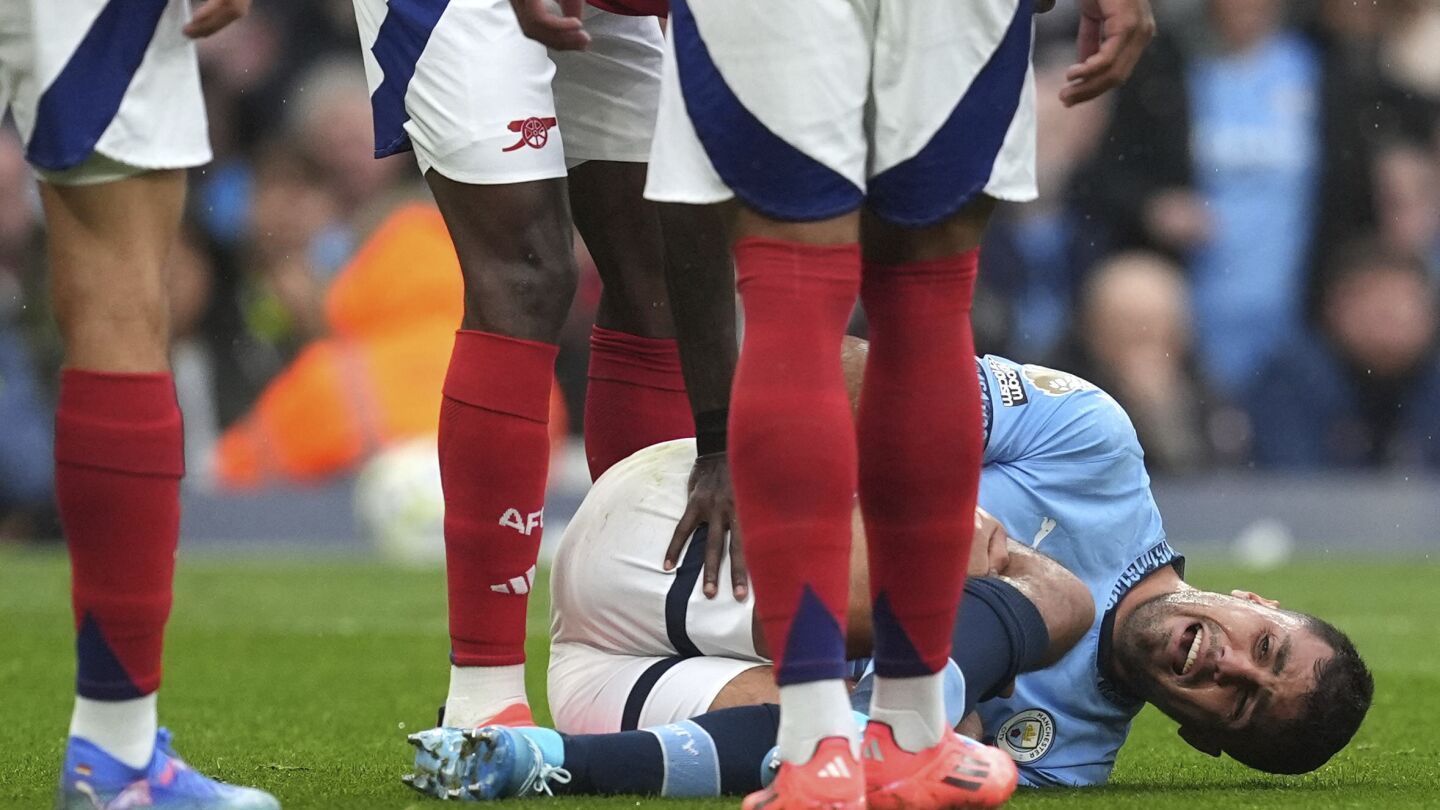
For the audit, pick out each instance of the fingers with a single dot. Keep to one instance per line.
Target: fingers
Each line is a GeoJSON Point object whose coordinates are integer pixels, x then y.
{"type": "Point", "coordinates": [714, 553]}
{"type": "Point", "coordinates": [739, 573]}
{"type": "Point", "coordinates": [213, 15]}
{"type": "Point", "coordinates": [562, 32]}
{"type": "Point", "coordinates": [999, 552]}
{"type": "Point", "coordinates": [1108, 48]}
{"type": "Point", "coordinates": [689, 522]}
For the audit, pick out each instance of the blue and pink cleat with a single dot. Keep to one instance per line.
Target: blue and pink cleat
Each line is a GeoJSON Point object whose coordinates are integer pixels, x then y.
{"type": "Point", "coordinates": [487, 763]}
{"type": "Point", "coordinates": [93, 780]}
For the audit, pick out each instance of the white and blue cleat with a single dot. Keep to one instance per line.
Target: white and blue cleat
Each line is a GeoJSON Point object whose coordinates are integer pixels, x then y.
{"type": "Point", "coordinates": [94, 780]}
{"type": "Point", "coordinates": [482, 764]}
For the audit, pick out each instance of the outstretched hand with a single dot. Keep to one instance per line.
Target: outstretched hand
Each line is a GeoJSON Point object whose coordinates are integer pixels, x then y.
{"type": "Point", "coordinates": [712, 505]}
{"type": "Point", "coordinates": [1113, 35]}
{"type": "Point", "coordinates": [563, 31]}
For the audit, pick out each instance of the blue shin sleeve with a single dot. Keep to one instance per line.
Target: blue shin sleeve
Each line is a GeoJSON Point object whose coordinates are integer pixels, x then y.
{"type": "Point", "coordinates": [998, 635]}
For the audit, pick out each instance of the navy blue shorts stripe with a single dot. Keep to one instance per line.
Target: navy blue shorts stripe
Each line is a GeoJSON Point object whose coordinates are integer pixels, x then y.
{"type": "Point", "coordinates": [640, 692]}
{"type": "Point", "coordinates": [955, 166]}
{"type": "Point", "coordinates": [77, 108]}
{"type": "Point", "coordinates": [677, 600]}
{"type": "Point", "coordinates": [398, 44]}
{"type": "Point", "coordinates": [764, 171]}
{"type": "Point", "coordinates": [677, 604]}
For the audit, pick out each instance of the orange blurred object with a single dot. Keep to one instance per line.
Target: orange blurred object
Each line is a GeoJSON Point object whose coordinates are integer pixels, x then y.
{"type": "Point", "coordinates": [376, 379]}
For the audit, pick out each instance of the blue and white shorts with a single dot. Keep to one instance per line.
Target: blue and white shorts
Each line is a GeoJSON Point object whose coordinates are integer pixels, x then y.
{"type": "Point", "coordinates": [631, 644]}
{"type": "Point", "coordinates": [457, 82]}
{"type": "Point", "coordinates": [102, 89]}
{"type": "Point", "coordinates": [809, 109]}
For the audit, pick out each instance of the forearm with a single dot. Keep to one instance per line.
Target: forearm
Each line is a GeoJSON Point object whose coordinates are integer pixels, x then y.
{"type": "Point", "coordinates": [1064, 603]}
{"type": "Point", "coordinates": [700, 279]}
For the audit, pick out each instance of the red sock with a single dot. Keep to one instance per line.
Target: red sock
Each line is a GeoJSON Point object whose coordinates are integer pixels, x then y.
{"type": "Point", "coordinates": [792, 448]}
{"type": "Point", "coordinates": [636, 397]}
{"type": "Point", "coordinates": [119, 457]}
{"type": "Point", "coordinates": [921, 442]}
{"type": "Point", "coordinates": [494, 456]}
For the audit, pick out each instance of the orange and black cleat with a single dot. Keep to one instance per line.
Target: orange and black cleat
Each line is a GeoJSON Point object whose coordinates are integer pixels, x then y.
{"type": "Point", "coordinates": [956, 773]}
{"type": "Point", "coordinates": [831, 780]}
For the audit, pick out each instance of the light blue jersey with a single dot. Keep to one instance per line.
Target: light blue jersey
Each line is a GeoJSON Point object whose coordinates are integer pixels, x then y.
{"type": "Point", "coordinates": [1064, 473]}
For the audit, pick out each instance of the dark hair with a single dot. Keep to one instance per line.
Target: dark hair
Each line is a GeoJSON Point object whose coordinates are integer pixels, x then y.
{"type": "Point", "coordinates": [1365, 255]}
{"type": "Point", "coordinates": [1332, 713]}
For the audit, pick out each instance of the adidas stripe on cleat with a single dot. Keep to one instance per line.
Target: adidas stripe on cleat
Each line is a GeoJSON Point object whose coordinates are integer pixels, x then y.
{"type": "Point", "coordinates": [831, 780]}
{"type": "Point", "coordinates": [957, 773]}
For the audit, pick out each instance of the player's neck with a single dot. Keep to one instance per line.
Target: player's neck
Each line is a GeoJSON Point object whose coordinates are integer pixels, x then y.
{"type": "Point", "coordinates": [1162, 580]}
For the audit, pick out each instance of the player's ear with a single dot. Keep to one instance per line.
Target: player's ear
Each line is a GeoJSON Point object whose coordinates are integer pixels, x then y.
{"type": "Point", "coordinates": [1203, 741]}
{"type": "Point", "coordinates": [1256, 598]}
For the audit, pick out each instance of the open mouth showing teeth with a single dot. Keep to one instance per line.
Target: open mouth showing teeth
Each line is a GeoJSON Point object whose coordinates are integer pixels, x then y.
{"type": "Point", "coordinates": [1191, 642]}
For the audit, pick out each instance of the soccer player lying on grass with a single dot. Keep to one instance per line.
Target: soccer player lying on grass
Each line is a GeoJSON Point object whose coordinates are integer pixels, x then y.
{"type": "Point", "coordinates": [637, 647]}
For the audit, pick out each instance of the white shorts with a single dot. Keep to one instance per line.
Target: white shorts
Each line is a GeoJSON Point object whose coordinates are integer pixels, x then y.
{"type": "Point", "coordinates": [117, 81]}
{"type": "Point", "coordinates": [632, 644]}
{"type": "Point", "coordinates": [809, 109]}
{"type": "Point", "coordinates": [460, 84]}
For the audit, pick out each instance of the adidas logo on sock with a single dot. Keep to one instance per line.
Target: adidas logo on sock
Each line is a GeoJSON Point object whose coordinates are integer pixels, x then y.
{"type": "Point", "coordinates": [835, 769]}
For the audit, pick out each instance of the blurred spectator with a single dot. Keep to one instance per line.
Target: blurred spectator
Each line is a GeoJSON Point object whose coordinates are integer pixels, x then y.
{"type": "Point", "coordinates": [1411, 49]}
{"type": "Point", "coordinates": [375, 378]}
{"type": "Point", "coordinates": [330, 121]}
{"type": "Point", "coordinates": [192, 280]}
{"type": "Point", "coordinates": [1257, 160]}
{"type": "Point", "coordinates": [1134, 339]}
{"type": "Point", "coordinates": [1407, 201]}
{"type": "Point", "coordinates": [284, 221]}
{"type": "Point", "coordinates": [1365, 391]}
{"type": "Point", "coordinates": [1036, 252]}
{"type": "Point", "coordinates": [26, 463]}
{"type": "Point", "coordinates": [1249, 158]}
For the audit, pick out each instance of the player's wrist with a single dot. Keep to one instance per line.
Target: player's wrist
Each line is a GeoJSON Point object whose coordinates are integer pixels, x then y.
{"type": "Point", "coordinates": [711, 432]}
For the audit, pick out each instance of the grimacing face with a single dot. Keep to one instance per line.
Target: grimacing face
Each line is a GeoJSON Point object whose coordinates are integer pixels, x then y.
{"type": "Point", "coordinates": [1223, 667]}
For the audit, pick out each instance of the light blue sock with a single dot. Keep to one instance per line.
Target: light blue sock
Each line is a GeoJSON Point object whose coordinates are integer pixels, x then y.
{"type": "Point", "coordinates": [552, 746]}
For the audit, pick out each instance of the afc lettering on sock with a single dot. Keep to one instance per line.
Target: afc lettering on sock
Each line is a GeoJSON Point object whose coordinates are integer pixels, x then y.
{"type": "Point", "coordinates": [526, 524]}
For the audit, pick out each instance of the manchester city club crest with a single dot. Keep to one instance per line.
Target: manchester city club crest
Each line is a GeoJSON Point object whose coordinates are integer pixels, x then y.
{"type": "Point", "coordinates": [1027, 736]}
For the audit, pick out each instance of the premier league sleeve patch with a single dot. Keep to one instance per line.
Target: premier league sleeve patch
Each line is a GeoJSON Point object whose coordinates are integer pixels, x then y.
{"type": "Point", "coordinates": [1027, 736]}
{"type": "Point", "coordinates": [1055, 383]}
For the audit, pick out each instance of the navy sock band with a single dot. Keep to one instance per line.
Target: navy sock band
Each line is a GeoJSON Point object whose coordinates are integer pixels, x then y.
{"type": "Point", "coordinates": [998, 635]}
{"type": "Point", "coordinates": [718, 753]}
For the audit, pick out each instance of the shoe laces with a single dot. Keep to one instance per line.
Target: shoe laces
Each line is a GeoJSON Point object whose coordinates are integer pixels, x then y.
{"type": "Point", "coordinates": [541, 772]}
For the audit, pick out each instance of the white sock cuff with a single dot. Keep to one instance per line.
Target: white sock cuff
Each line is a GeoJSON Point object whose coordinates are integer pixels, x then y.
{"type": "Point", "coordinates": [124, 729]}
{"type": "Point", "coordinates": [811, 712]}
{"type": "Point", "coordinates": [479, 693]}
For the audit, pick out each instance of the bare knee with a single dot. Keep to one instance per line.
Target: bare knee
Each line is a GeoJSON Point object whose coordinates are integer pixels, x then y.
{"type": "Point", "coordinates": [750, 688]}
{"type": "Point", "coordinates": [622, 231]}
{"type": "Point", "coordinates": [888, 243]}
{"type": "Point", "coordinates": [841, 230]}
{"type": "Point", "coordinates": [115, 332]}
{"type": "Point", "coordinates": [108, 249]}
{"type": "Point", "coordinates": [516, 251]}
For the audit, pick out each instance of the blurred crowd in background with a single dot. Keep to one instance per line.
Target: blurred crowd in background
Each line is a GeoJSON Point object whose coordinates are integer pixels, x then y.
{"type": "Point", "coordinates": [1242, 245]}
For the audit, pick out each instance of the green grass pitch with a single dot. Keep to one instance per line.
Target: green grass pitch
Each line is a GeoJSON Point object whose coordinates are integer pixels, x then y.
{"type": "Point", "coordinates": [302, 676]}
